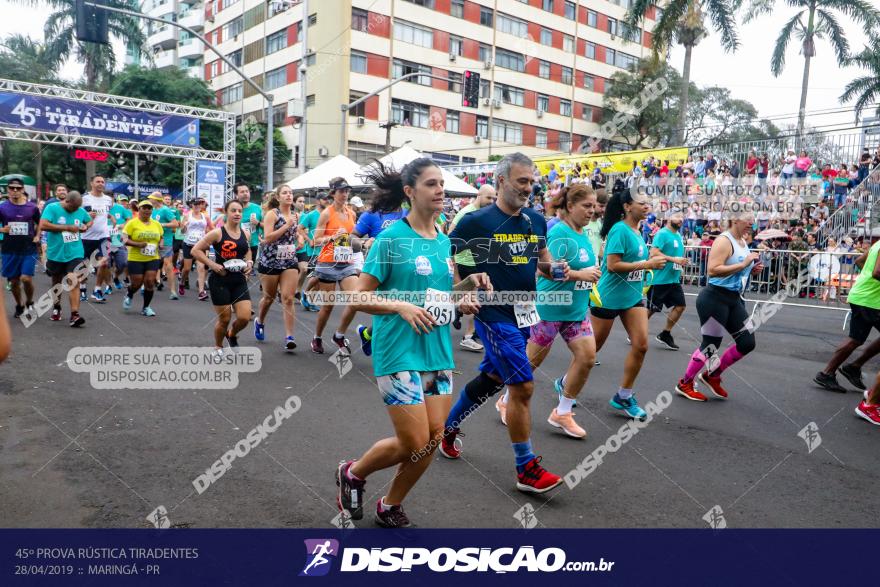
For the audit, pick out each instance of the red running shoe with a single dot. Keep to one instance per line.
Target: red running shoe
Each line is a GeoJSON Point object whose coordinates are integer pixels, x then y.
{"type": "Point", "coordinates": [536, 479]}
{"type": "Point", "coordinates": [868, 412]}
{"type": "Point", "coordinates": [450, 447]}
{"type": "Point", "coordinates": [714, 384]}
{"type": "Point", "coordinates": [687, 390]}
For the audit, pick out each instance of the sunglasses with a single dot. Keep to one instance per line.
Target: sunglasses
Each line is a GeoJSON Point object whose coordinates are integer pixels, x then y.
{"type": "Point", "coordinates": [14, 188]}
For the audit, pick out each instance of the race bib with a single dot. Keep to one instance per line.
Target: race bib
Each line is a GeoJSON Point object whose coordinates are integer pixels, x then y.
{"type": "Point", "coordinates": [677, 267]}
{"type": "Point", "coordinates": [526, 314]}
{"type": "Point", "coordinates": [583, 285]}
{"type": "Point", "coordinates": [342, 254]}
{"type": "Point", "coordinates": [149, 250]}
{"type": "Point", "coordinates": [114, 231]}
{"type": "Point", "coordinates": [635, 275]}
{"type": "Point", "coordinates": [70, 237]}
{"type": "Point", "coordinates": [439, 305]}
{"type": "Point", "coordinates": [193, 237]}
{"type": "Point", "coordinates": [286, 252]}
{"type": "Point", "coordinates": [18, 229]}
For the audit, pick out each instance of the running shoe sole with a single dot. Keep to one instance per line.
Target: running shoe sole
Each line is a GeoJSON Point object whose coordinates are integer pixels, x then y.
{"type": "Point", "coordinates": [665, 344]}
{"type": "Point", "coordinates": [561, 427]}
{"type": "Point", "coordinates": [681, 392]}
{"type": "Point", "coordinates": [702, 378]}
{"type": "Point", "coordinates": [865, 417]}
{"type": "Point", "coordinates": [529, 489]}
{"type": "Point", "coordinates": [458, 443]}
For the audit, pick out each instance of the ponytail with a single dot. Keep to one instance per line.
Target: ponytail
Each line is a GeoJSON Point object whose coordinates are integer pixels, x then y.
{"type": "Point", "coordinates": [388, 195]}
{"type": "Point", "coordinates": [614, 210]}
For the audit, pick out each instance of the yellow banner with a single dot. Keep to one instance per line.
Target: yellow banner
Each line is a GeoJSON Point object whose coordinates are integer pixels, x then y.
{"type": "Point", "coordinates": [615, 162]}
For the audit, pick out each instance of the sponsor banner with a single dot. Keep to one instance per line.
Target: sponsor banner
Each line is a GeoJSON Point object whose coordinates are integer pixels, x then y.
{"type": "Point", "coordinates": [211, 183]}
{"type": "Point", "coordinates": [144, 189]}
{"type": "Point", "coordinates": [167, 556]}
{"type": "Point", "coordinates": [76, 117]}
{"type": "Point", "coordinates": [618, 162]}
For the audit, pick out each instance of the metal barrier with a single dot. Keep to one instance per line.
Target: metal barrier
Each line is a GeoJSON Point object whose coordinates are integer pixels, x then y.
{"type": "Point", "coordinates": [856, 217]}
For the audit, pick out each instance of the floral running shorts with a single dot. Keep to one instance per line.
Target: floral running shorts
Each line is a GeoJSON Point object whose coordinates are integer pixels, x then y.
{"type": "Point", "coordinates": [409, 388]}
{"type": "Point", "coordinates": [543, 333]}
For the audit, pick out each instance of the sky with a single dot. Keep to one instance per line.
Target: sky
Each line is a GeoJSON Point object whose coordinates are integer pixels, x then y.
{"type": "Point", "coordinates": [746, 73]}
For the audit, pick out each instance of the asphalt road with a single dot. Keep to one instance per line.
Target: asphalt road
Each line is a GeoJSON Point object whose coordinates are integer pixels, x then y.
{"type": "Point", "coordinates": [75, 456]}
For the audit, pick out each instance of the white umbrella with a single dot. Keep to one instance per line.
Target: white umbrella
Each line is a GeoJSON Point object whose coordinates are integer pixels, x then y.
{"type": "Point", "coordinates": [320, 176]}
{"type": "Point", "coordinates": [404, 155]}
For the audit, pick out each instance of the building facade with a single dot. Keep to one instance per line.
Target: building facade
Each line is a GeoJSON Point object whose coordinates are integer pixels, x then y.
{"type": "Point", "coordinates": [544, 67]}
{"type": "Point", "coordinates": [171, 46]}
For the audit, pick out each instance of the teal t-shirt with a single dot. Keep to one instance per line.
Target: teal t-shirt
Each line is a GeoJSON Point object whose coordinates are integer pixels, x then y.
{"type": "Point", "coordinates": [566, 244]}
{"type": "Point", "coordinates": [64, 246]}
{"type": "Point", "coordinates": [255, 230]}
{"type": "Point", "coordinates": [165, 215]}
{"type": "Point", "coordinates": [621, 291]}
{"type": "Point", "coordinates": [178, 232]}
{"type": "Point", "coordinates": [310, 221]}
{"type": "Point", "coordinates": [671, 245]}
{"type": "Point", "coordinates": [122, 215]}
{"type": "Point", "coordinates": [404, 261]}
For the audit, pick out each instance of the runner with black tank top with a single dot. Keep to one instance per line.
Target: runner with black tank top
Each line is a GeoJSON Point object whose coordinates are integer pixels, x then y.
{"type": "Point", "coordinates": [278, 266]}
{"type": "Point", "coordinates": [721, 308]}
{"type": "Point", "coordinates": [196, 224]}
{"type": "Point", "coordinates": [227, 283]}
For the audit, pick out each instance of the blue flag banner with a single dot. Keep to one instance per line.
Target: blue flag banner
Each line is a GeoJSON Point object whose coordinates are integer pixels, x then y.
{"type": "Point", "coordinates": [59, 115]}
{"type": "Point", "coordinates": [422, 557]}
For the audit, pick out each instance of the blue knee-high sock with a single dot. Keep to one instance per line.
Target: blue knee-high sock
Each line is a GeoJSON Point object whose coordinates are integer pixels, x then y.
{"type": "Point", "coordinates": [524, 454]}
{"type": "Point", "coordinates": [458, 411]}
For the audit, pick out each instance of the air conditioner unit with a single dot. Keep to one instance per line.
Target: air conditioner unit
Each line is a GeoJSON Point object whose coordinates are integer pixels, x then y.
{"type": "Point", "coordinates": [452, 56]}
{"type": "Point", "coordinates": [323, 151]}
{"type": "Point", "coordinates": [540, 113]}
{"type": "Point", "coordinates": [477, 138]}
{"type": "Point", "coordinates": [361, 121]}
{"type": "Point", "coordinates": [613, 37]}
{"type": "Point", "coordinates": [487, 64]}
{"type": "Point", "coordinates": [496, 103]}
{"type": "Point", "coordinates": [486, 101]}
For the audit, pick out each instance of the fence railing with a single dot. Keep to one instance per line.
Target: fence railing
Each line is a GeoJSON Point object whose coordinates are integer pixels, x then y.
{"type": "Point", "coordinates": [855, 218]}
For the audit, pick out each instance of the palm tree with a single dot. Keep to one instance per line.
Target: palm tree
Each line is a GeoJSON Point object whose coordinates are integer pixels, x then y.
{"type": "Point", "coordinates": [865, 89]}
{"type": "Point", "coordinates": [682, 21]}
{"type": "Point", "coordinates": [817, 20]}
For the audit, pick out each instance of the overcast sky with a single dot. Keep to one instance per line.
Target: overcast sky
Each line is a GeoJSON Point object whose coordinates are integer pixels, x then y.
{"type": "Point", "coordinates": [746, 73]}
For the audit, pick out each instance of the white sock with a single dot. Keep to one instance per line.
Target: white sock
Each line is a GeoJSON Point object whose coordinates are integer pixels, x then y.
{"type": "Point", "coordinates": [385, 507]}
{"type": "Point", "coordinates": [505, 398]}
{"type": "Point", "coordinates": [338, 335]}
{"type": "Point", "coordinates": [564, 406]}
{"type": "Point", "coordinates": [563, 381]}
{"type": "Point", "coordinates": [625, 393]}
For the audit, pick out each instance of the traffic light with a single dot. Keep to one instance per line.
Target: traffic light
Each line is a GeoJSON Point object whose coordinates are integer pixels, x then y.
{"type": "Point", "coordinates": [91, 23]}
{"type": "Point", "coordinates": [470, 89]}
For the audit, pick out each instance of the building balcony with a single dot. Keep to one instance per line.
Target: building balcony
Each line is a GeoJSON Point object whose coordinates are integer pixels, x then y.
{"type": "Point", "coordinates": [190, 49]}
{"type": "Point", "coordinates": [158, 7]}
{"type": "Point", "coordinates": [164, 59]}
{"type": "Point", "coordinates": [193, 18]}
{"type": "Point", "coordinates": [196, 71]}
{"type": "Point", "coordinates": [164, 37]}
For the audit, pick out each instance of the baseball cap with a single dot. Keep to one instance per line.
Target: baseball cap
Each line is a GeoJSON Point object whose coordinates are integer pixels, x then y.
{"type": "Point", "coordinates": [323, 196]}
{"type": "Point", "coordinates": [357, 202]}
{"type": "Point", "coordinates": [339, 183]}
{"type": "Point", "coordinates": [15, 181]}
{"type": "Point", "coordinates": [156, 197]}
{"type": "Point", "coordinates": [146, 202]}
{"type": "Point", "coordinates": [121, 198]}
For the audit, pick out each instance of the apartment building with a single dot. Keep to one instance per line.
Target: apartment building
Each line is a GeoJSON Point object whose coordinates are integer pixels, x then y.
{"type": "Point", "coordinates": [544, 67]}
{"type": "Point", "coordinates": [169, 45]}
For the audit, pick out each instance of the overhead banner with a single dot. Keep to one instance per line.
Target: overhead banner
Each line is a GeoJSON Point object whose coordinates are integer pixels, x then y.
{"type": "Point", "coordinates": [211, 183]}
{"type": "Point", "coordinates": [75, 117]}
{"type": "Point", "coordinates": [615, 162]}
{"type": "Point", "coordinates": [121, 187]}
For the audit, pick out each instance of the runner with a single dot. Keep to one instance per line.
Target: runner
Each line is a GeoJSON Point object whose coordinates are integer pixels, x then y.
{"type": "Point", "coordinates": [97, 238]}
{"type": "Point", "coordinates": [278, 267]}
{"type": "Point", "coordinates": [168, 219]}
{"type": "Point", "coordinates": [465, 261]}
{"type": "Point", "coordinates": [303, 254]}
{"type": "Point", "coordinates": [195, 225]}
{"type": "Point", "coordinates": [177, 246]}
{"type": "Point", "coordinates": [665, 290]}
{"type": "Point", "coordinates": [619, 291]}
{"type": "Point", "coordinates": [567, 241]}
{"type": "Point", "coordinates": [143, 235]}
{"type": "Point", "coordinates": [310, 222]}
{"type": "Point", "coordinates": [864, 304]}
{"type": "Point", "coordinates": [721, 308]}
{"type": "Point", "coordinates": [118, 251]}
{"type": "Point", "coordinates": [252, 216]}
{"type": "Point", "coordinates": [60, 193]}
{"type": "Point", "coordinates": [227, 281]}
{"type": "Point", "coordinates": [508, 242]}
{"type": "Point", "coordinates": [65, 222]}
{"type": "Point", "coordinates": [413, 361]}
{"type": "Point", "coordinates": [20, 219]}
{"type": "Point", "coordinates": [594, 227]}
{"type": "Point", "coordinates": [335, 264]}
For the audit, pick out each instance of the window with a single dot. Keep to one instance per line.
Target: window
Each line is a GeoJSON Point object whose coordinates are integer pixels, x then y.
{"type": "Point", "coordinates": [626, 61]}
{"type": "Point", "coordinates": [592, 18]}
{"type": "Point", "coordinates": [425, 3]}
{"type": "Point", "coordinates": [233, 28]}
{"type": "Point", "coordinates": [231, 94]}
{"type": "Point", "coordinates": [411, 33]}
{"type": "Point", "coordinates": [483, 127]}
{"type": "Point", "coordinates": [510, 60]}
{"type": "Point", "coordinates": [548, 5]}
{"type": "Point", "coordinates": [452, 121]}
{"type": "Point", "coordinates": [508, 132]}
{"type": "Point", "coordinates": [512, 26]}
{"type": "Point", "coordinates": [276, 41]}
{"type": "Point", "coordinates": [610, 55]}
{"type": "Point", "coordinates": [279, 113]}
{"type": "Point", "coordinates": [566, 75]}
{"type": "Point", "coordinates": [358, 62]}
{"type": "Point", "coordinates": [565, 107]}
{"type": "Point", "coordinates": [485, 53]}
{"type": "Point", "coordinates": [235, 58]}
{"type": "Point", "coordinates": [276, 78]}
{"type": "Point", "coordinates": [589, 82]}
{"type": "Point", "coordinates": [568, 43]}
{"type": "Point", "coordinates": [543, 69]}
{"type": "Point", "coordinates": [612, 26]}
{"type": "Point", "coordinates": [541, 138]}
{"type": "Point", "coordinates": [590, 51]}
{"type": "Point", "coordinates": [310, 59]}
{"type": "Point", "coordinates": [570, 10]}
{"type": "Point", "coordinates": [486, 15]}
{"type": "Point", "coordinates": [454, 84]}
{"type": "Point", "coordinates": [509, 94]}
{"type": "Point", "coordinates": [360, 109]}
{"type": "Point", "coordinates": [543, 102]}
{"type": "Point", "coordinates": [546, 37]}
{"type": "Point", "coordinates": [586, 112]}
{"type": "Point", "coordinates": [484, 88]}
{"type": "Point", "coordinates": [359, 20]}
{"type": "Point", "coordinates": [456, 9]}
{"type": "Point", "coordinates": [313, 19]}
{"type": "Point", "coordinates": [409, 113]}
{"type": "Point", "coordinates": [564, 141]}
{"type": "Point", "coordinates": [310, 101]}
{"type": "Point", "coordinates": [456, 45]}
{"type": "Point", "coordinates": [402, 67]}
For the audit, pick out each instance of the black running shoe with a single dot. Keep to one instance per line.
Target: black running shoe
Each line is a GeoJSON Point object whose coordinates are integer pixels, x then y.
{"type": "Point", "coordinates": [665, 337]}
{"type": "Point", "coordinates": [19, 310]}
{"type": "Point", "coordinates": [76, 320]}
{"type": "Point", "coordinates": [233, 340]}
{"type": "Point", "coordinates": [350, 493]}
{"type": "Point", "coordinates": [853, 375]}
{"type": "Point", "coordinates": [828, 382]}
{"type": "Point", "coordinates": [393, 517]}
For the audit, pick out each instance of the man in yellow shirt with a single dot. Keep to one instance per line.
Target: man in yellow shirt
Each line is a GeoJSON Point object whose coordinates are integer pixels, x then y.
{"type": "Point", "coordinates": [143, 235]}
